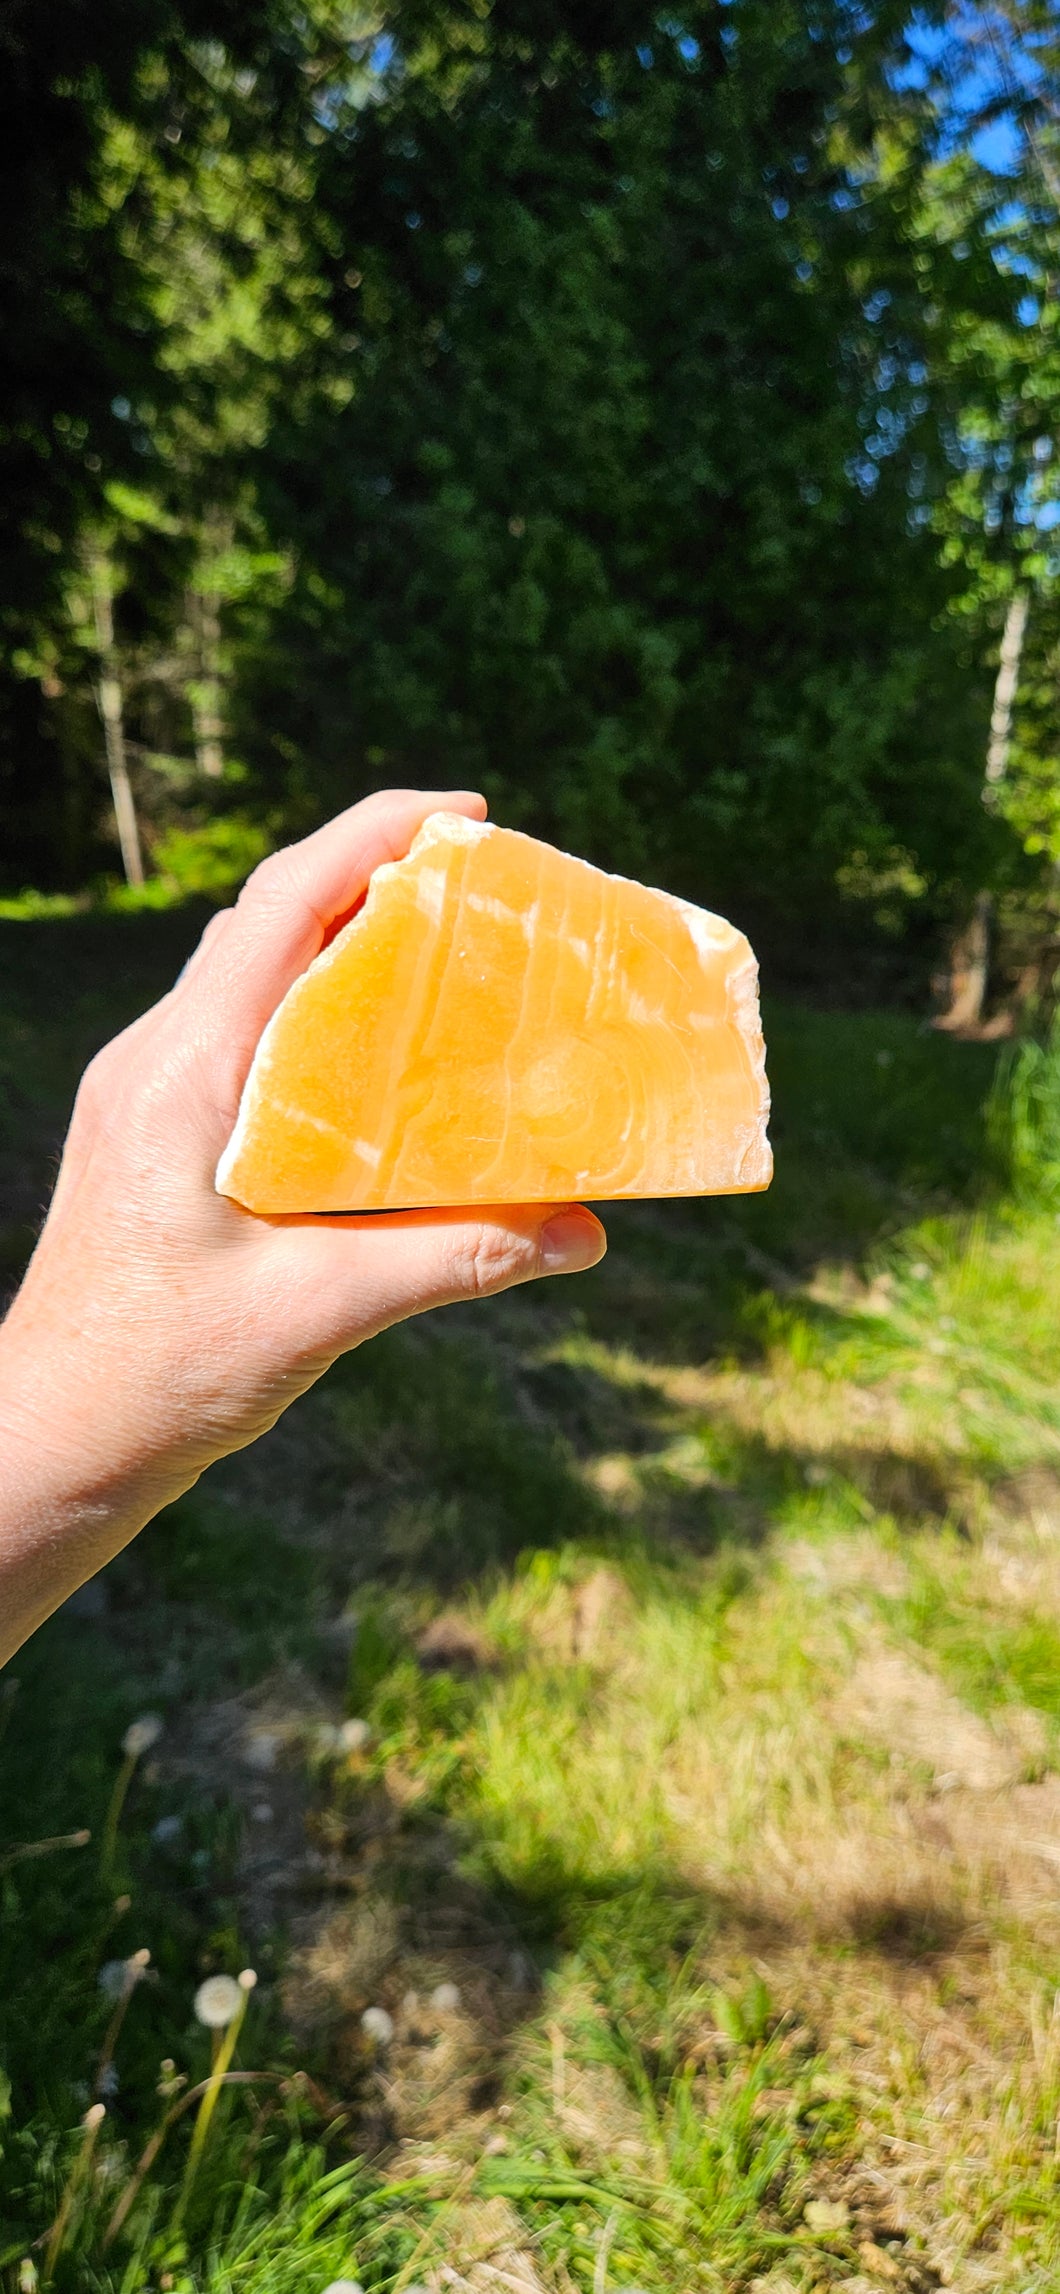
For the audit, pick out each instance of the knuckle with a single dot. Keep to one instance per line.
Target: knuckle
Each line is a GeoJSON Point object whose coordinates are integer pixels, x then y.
{"type": "Point", "coordinates": [266, 879]}
{"type": "Point", "coordinates": [277, 880]}
{"type": "Point", "coordinates": [115, 1077]}
{"type": "Point", "coordinates": [207, 940]}
{"type": "Point", "coordinates": [489, 1258]}
{"type": "Point", "coordinates": [95, 1092]}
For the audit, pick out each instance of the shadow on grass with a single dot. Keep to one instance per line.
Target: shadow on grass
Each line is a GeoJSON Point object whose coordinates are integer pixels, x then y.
{"type": "Point", "coordinates": [435, 1457]}
{"type": "Point", "coordinates": [424, 1465]}
{"type": "Point", "coordinates": [659, 1977]}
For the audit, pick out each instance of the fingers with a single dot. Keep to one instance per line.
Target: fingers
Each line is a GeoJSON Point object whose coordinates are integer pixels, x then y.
{"type": "Point", "coordinates": [345, 1280]}
{"type": "Point", "coordinates": [252, 953]}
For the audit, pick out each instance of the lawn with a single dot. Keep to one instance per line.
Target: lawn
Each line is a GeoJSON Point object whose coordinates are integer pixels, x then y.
{"type": "Point", "coordinates": [620, 1726]}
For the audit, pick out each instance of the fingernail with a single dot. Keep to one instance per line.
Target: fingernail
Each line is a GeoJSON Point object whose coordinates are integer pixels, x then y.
{"type": "Point", "coordinates": [570, 1242]}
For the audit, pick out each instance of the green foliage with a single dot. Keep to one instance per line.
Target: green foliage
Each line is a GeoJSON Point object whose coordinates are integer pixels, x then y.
{"type": "Point", "coordinates": [646, 419]}
{"type": "Point", "coordinates": [1023, 1116]}
{"type": "Point", "coordinates": [213, 858]}
{"type": "Point", "coordinates": [376, 1647]}
{"type": "Point", "coordinates": [577, 555]}
{"type": "Point", "coordinates": [993, 1661]}
{"type": "Point", "coordinates": [30, 906]}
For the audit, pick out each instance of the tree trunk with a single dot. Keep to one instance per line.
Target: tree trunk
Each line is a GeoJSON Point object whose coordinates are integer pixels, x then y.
{"type": "Point", "coordinates": [1006, 683]}
{"type": "Point", "coordinates": [204, 692]}
{"type": "Point", "coordinates": [110, 703]}
{"type": "Point", "coordinates": [969, 967]}
{"type": "Point", "coordinates": [970, 959]}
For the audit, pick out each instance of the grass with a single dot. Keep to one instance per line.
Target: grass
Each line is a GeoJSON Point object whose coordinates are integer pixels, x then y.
{"type": "Point", "coordinates": [643, 1691]}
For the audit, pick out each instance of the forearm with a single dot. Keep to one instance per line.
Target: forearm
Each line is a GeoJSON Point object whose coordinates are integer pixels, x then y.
{"type": "Point", "coordinates": [60, 1517]}
{"type": "Point", "coordinates": [110, 1408]}
{"type": "Point", "coordinates": [63, 1513]}
{"type": "Point", "coordinates": [52, 1537]}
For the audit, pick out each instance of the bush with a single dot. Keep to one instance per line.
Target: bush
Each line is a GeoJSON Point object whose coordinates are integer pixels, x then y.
{"type": "Point", "coordinates": [213, 858]}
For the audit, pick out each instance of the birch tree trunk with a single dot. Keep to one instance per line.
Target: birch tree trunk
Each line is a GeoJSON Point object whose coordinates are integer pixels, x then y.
{"type": "Point", "coordinates": [970, 961]}
{"type": "Point", "coordinates": [1005, 687]}
{"type": "Point", "coordinates": [110, 703]}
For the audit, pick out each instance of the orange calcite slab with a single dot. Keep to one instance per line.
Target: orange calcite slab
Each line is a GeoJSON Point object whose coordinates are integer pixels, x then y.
{"type": "Point", "coordinates": [501, 1023]}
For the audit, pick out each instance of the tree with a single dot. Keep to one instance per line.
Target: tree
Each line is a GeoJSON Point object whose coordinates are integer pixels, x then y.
{"type": "Point", "coordinates": [630, 411]}
{"type": "Point", "coordinates": [994, 78]}
{"type": "Point", "coordinates": [618, 516]}
{"type": "Point", "coordinates": [149, 278]}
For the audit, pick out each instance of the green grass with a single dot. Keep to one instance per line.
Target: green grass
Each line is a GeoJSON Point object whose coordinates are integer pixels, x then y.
{"type": "Point", "coordinates": [686, 1607]}
{"type": "Point", "coordinates": [993, 1660]}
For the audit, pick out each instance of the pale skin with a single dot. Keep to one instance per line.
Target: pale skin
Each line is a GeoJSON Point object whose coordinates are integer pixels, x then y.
{"type": "Point", "coordinates": [159, 1326]}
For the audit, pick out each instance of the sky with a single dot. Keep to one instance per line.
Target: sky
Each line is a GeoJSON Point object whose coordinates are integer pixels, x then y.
{"type": "Point", "coordinates": [974, 69]}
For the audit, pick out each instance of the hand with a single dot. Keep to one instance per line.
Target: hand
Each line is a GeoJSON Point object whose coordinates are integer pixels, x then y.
{"type": "Point", "coordinates": [160, 1326]}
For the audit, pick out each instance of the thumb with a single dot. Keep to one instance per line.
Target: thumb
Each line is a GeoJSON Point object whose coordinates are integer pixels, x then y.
{"type": "Point", "coordinates": [348, 1278]}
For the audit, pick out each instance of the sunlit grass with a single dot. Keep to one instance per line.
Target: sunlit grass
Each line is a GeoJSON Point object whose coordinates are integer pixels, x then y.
{"type": "Point", "coordinates": [698, 1878]}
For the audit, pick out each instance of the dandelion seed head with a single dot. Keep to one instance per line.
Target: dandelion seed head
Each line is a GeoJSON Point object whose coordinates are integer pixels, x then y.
{"type": "Point", "coordinates": [167, 1829]}
{"type": "Point", "coordinates": [217, 2001]}
{"type": "Point", "coordinates": [354, 1735]}
{"type": "Point", "coordinates": [141, 1735]}
{"type": "Point", "coordinates": [247, 1979]}
{"type": "Point", "coordinates": [117, 1977]}
{"type": "Point", "coordinates": [445, 1998]}
{"type": "Point", "coordinates": [378, 2025]}
{"type": "Point", "coordinates": [346, 2286]}
{"type": "Point", "coordinates": [261, 1751]}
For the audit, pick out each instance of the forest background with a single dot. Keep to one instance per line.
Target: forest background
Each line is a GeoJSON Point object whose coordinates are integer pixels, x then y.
{"type": "Point", "coordinates": [619, 1723]}
{"type": "Point", "coordinates": [649, 418]}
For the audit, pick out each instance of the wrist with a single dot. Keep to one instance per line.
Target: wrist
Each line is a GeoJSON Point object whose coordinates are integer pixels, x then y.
{"type": "Point", "coordinates": [63, 1512]}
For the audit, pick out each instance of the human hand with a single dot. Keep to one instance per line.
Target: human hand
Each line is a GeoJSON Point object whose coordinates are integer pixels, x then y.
{"type": "Point", "coordinates": [161, 1326]}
